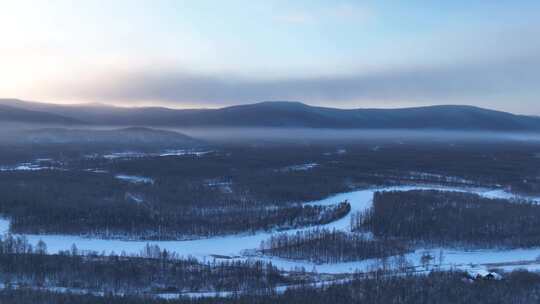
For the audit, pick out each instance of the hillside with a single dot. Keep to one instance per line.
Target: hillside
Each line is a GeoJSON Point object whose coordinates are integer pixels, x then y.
{"type": "Point", "coordinates": [126, 136]}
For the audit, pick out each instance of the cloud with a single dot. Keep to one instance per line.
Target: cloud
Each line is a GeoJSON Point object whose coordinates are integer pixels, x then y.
{"type": "Point", "coordinates": [511, 85]}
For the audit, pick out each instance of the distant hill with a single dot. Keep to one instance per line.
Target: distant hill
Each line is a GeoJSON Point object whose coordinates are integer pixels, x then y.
{"type": "Point", "coordinates": [126, 136]}
{"type": "Point", "coordinates": [14, 114]}
{"type": "Point", "coordinates": [100, 114]}
{"type": "Point", "coordinates": [292, 114]}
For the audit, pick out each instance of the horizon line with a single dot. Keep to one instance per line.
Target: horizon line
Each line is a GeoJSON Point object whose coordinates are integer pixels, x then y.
{"type": "Point", "coordinates": [160, 106]}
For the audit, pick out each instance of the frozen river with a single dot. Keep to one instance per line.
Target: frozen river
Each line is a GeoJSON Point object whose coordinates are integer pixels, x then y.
{"type": "Point", "coordinates": [236, 245]}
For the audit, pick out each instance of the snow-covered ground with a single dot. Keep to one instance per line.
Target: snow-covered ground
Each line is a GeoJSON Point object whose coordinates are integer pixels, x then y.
{"type": "Point", "coordinates": [134, 179]}
{"type": "Point", "coordinates": [302, 167]}
{"type": "Point", "coordinates": [238, 246]}
{"type": "Point", "coordinates": [423, 176]}
{"type": "Point", "coordinates": [39, 164]}
{"type": "Point", "coordinates": [100, 171]}
{"type": "Point", "coordinates": [184, 153]}
{"type": "Point", "coordinates": [135, 154]}
{"type": "Point", "coordinates": [121, 155]}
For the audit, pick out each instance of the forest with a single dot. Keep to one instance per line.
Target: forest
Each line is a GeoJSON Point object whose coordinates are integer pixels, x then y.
{"type": "Point", "coordinates": [236, 187]}
{"type": "Point", "coordinates": [257, 169]}
{"type": "Point", "coordinates": [330, 246]}
{"type": "Point", "coordinates": [518, 287]}
{"type": "Point", "coordinates": [95, 204]}
{"type": "Point", "coordinates": [151, 271]}
{"type": "Point", "coordinates": [451, 218]}
{"type": "Point", "coordinates": [248, 188]}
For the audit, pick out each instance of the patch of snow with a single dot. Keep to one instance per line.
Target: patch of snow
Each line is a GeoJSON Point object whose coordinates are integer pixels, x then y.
{"type": "Point", "coordinates": [27, 167]}
{"type": "Point", "coordinates": [439, 178]}
{"type": "Point", "coordinates": [97, 171]}
{"type": "Point", "coordinates": [502, 194]}
{"type": "Point", "coordinates": [120, 155]}
{"type": "Point", "coordinates": [54, 289]}
{"type": "Point", "coordinates": [303, 167]}
{"type": "Point", "coordinates": [135, 179]}
{"type": "Point", "coordinates": [134, 154]}
{"type": "Point", "coordinates": [337, 152]}
{"type": "Point", "coordinates": [195, 295]}
{"type": "Point", "coordinates": [137, 199]}
{"type": "Point", "coordinates": [214, 183]}
{"type": "Point", "coordinates": [184, 153]}
{"type": "Point", "coordinates": [4, 225]}
{"type": "Point", "coordinates": [41, 160]}
{"type": "Point", "coordinates": [224, 186]}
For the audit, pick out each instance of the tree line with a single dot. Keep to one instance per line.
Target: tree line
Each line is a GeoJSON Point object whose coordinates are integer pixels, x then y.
{"type": "Point", "coordinates": [518, 287]}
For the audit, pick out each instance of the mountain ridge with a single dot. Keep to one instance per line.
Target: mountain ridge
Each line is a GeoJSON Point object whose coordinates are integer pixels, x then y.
{"type": "Point", "coordinates": [290, 114]}
{"type": "Point", "coordinates": [15, 114]}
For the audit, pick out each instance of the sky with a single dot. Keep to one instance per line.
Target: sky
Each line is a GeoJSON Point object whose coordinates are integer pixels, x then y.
{"type": "Point", "coordinates": [203, 53]}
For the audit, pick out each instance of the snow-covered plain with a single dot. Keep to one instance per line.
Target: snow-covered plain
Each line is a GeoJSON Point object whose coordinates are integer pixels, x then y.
{"type": "Point", "coordinates": [242, 246]}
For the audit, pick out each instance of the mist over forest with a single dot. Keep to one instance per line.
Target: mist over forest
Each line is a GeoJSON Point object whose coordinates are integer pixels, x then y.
{"type": "Point", "coordinates": [261, 152]}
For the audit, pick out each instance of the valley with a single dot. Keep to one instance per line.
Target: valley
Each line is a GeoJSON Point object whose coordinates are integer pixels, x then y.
{"type": "Point", "coordinates": [294, 207]}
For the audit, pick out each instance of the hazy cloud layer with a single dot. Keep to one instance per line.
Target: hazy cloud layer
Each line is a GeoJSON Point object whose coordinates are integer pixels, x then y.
{"type": "Point", "coordinates": [342, 53]}
{"type": "Point", "coordinates": [510, 85]}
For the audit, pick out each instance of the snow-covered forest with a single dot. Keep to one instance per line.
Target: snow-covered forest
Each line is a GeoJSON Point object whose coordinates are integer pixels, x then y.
{"type": "Point", "coordinates": [272, 221]}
